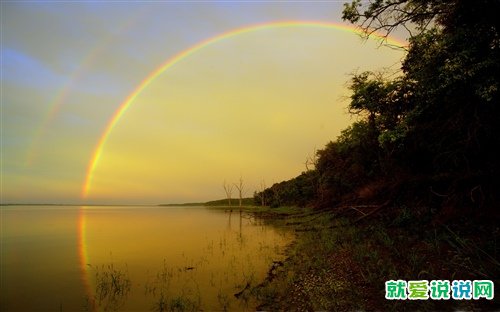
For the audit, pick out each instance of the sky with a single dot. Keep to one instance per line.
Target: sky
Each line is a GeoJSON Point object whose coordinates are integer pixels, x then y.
{"type": "Point", "coordinates": [122, 102]}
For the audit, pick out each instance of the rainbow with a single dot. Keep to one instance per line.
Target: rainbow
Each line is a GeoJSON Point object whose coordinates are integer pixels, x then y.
{"type": "Point", "coordinates": [83, 253]}
{"type": "Point", "coordinates": [54, 108]}
{"type": "Point", "coordinates": [193, 49]}
{"type": "Point", "coordinates": [64, 92]}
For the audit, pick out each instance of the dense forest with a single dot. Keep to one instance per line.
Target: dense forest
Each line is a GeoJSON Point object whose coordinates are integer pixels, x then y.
{"type": "Point", "coordinates": [411, 189]}
{"type": "Point", "coordinates": [427, 137]}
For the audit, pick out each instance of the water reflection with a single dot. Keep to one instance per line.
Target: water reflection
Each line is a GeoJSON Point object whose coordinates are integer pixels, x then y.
{"type": "Point", "coordinates": [159, 259]}
{"type": "Point", "coordinates": [39, 267]}
{"type": "Point", "coordinates": [83, 259]}
{"type": "Point", "coordinates": [133, 258]}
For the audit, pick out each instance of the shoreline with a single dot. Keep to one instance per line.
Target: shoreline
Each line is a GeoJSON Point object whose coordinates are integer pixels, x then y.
{"type": "Point", "coordinates": [338, 264]}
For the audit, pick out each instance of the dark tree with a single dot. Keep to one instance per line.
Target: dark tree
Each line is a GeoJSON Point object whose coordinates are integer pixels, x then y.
{"type": "Point", "coordinates": [440, 117]}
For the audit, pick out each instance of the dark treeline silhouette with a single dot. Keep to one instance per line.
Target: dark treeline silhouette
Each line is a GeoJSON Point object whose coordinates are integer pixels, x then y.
{"type": "Point", "coordinates": [428, 136]}
{"type": "Point", "coordinates": [410, 190]}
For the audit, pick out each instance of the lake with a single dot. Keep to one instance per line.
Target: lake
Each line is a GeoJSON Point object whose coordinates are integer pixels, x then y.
{"type": "Point", "coordinates": [133, 258]}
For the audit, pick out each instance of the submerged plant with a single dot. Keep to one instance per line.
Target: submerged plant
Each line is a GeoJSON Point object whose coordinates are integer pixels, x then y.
{"type": "Point", "coordinates": [166, 298]}
{"type": "Point", "coordinates": [112, 287]}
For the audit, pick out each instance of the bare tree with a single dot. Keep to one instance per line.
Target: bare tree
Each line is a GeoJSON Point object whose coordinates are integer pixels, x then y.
{"type": "Point", "coordinates": [228, 188]}
{"type": "Point", "coordinates": [240, 189]}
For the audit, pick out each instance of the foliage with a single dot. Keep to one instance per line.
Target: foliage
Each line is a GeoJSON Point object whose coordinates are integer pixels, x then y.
{"type": "Point", "coordinates": [426, 145]}
{"type": "Point", "coordinates": [298, 191]}
{"type": "Point", "coordinates": [416, 16]}
{"type": "Point", "coordinates": [437, 119]}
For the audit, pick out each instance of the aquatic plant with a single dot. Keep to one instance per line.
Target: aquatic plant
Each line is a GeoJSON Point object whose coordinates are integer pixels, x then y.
{"type": "Point", "coordinates": [112, 287]}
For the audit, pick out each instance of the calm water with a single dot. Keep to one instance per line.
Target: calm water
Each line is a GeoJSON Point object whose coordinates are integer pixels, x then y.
{"type": "Point", "coordinates": [132, 258]}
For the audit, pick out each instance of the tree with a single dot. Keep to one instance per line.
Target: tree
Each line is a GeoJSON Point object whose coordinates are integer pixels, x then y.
{"type": "Point", "coordinates": [440, 117]}
{"type": "Point", "coordinates": [385, 16]}
{"type": "Point", "coordinates": [228, 189]}
{"type": "Point", "coordinates": [240, 189]}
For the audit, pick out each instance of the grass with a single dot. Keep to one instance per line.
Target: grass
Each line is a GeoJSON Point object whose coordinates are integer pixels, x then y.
{"type": "Point", "coordinates": [112, 286]}
{"type": "Point", "coordinates": [111, 290]}
{"type": "Point", "coordinates": [161, 288]}
{"type": "Point", "coordinates": [210, 280]}
{"type": "Point", "coordinates": [338, 265]}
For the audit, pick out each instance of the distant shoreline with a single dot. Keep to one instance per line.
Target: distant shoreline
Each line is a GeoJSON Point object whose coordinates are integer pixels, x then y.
{"type": "Point", "coordinates": [248, 201]}
{"type": "Point", "coordinates": [182, 205]}
{"type": "Point", "coordinates": [220, 202]}
{"type": "Point", "coordinates": [76, 205]}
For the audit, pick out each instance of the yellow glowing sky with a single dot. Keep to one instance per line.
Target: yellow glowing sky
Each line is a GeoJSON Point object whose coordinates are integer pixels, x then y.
{"type": "Point", "coordinates": [253, 105]}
